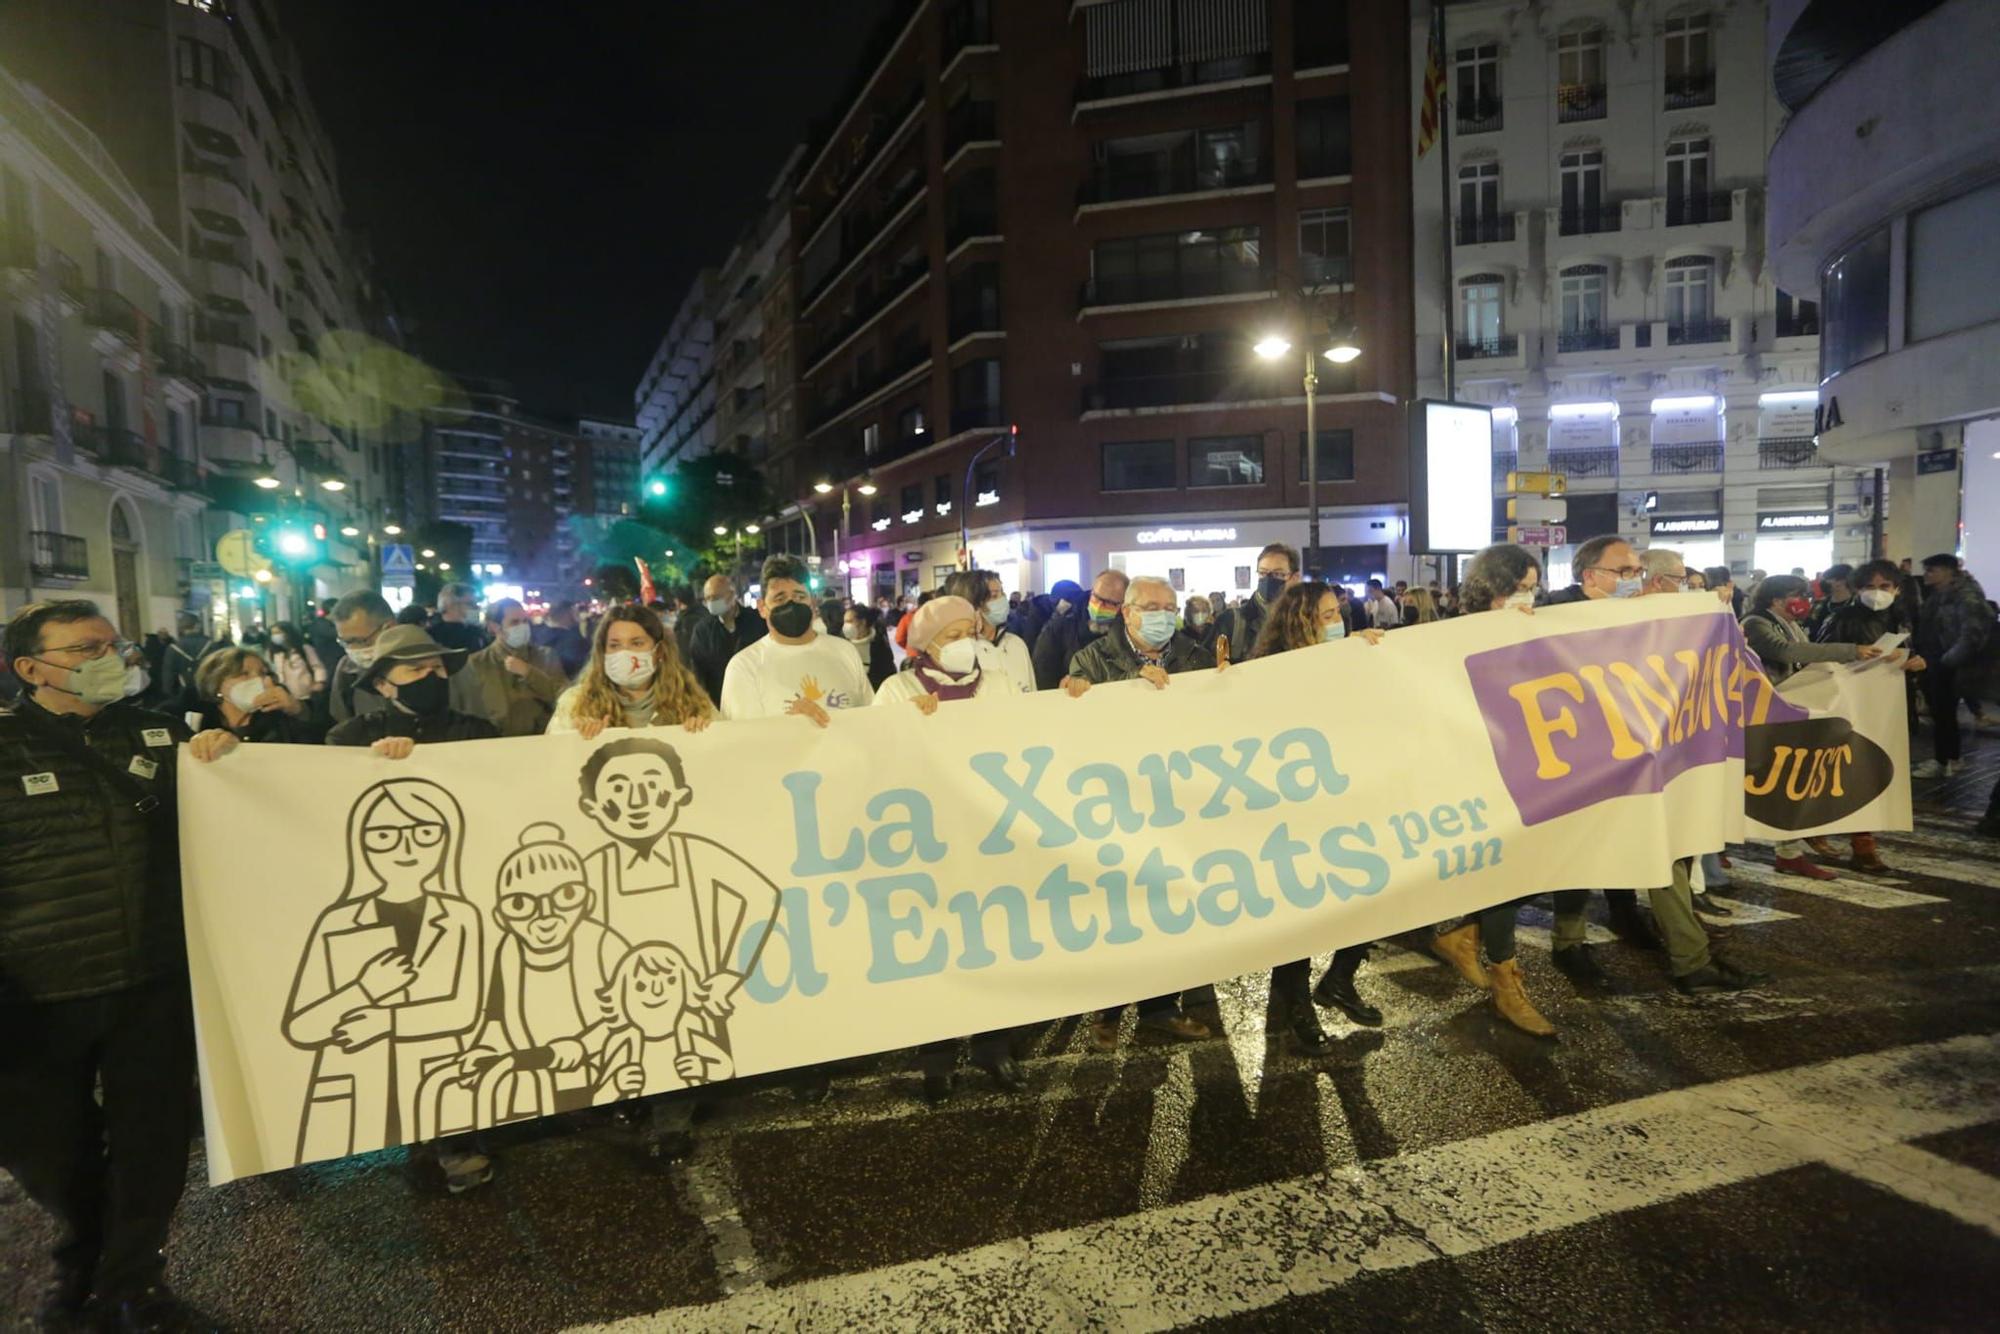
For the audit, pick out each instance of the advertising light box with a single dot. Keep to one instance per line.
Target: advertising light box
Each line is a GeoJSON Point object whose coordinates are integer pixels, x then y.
{"type": "Point", "coordinates": [1451, 476]}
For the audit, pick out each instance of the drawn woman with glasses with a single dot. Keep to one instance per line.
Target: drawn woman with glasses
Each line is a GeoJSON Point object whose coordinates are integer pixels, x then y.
{"type": "Point", "coordinates": [391, 979]}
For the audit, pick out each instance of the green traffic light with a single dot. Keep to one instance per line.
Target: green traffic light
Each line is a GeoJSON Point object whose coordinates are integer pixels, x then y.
{"type": "Point", "coordinates": [656, 488]}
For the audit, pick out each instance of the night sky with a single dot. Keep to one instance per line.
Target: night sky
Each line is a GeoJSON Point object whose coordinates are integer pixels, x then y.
{"type": "Point", "coordinates": [541, 181]}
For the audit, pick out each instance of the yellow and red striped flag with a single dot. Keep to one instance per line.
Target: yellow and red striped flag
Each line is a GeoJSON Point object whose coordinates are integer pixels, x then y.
{"type": "Point", "coordinates": [1427, 121]}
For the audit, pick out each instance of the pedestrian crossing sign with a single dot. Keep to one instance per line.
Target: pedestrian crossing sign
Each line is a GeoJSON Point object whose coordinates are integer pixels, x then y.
{"type": "Point", "coordinates": [398, 562]}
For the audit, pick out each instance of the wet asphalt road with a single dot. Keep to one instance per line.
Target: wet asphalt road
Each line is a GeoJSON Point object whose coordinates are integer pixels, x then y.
{"type": "Point", "coordinates": [1823, 1153]}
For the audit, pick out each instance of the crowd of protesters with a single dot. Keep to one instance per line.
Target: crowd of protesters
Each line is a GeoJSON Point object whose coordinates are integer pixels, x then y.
{"type": "Point", "coordinates": [94, 1079]}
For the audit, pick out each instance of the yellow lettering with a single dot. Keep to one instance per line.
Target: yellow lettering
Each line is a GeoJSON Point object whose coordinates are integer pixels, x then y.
{"type": "Point", "coordinates": [1623, 746]}
{"type": "Point", "coordinates": [1642, 694]}
{"type": "Point", "coordinates": [1541, 727]}
{"type": "Point", "coordinates": [1793, 792]}
{"type": "Point", "coordinates": [1838, 756]}
{"type": "Point", "coordinates": [1757, 789]}
{"type": "Point", "coordinates": [1684, 721]}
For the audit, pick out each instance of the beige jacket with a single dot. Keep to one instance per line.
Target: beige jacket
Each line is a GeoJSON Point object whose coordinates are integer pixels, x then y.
{"type": "Point", "coordinates": [517, 705]}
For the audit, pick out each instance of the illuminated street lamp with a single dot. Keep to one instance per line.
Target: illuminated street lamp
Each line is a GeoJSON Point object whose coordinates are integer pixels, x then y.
{"type": "Point", "coordinates": [332, 484]}
{"type": "Point", "coordinates": [393, 529]}
{"type": "Point", "coordinates": [428, 553]}
{"type": "Point", "coordinates": [1271, 347]}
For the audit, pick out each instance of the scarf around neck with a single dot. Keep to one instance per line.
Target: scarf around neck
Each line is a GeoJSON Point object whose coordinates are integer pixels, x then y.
{"type": "Point", "coordinates": [937, 681]}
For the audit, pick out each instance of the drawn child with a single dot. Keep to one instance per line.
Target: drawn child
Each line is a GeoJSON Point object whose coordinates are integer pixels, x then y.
{"type": "Point", "coordinates": [655, 1009]}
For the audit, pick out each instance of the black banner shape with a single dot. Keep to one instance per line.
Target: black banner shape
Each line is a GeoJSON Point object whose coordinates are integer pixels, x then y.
{"type": "Point", "coordinates": [1810, 772]}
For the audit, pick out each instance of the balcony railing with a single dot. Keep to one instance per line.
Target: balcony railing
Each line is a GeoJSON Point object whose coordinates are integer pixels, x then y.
{"type": "Point", "coordinates": [970, 223]}
{"type": "Point", "coordinates": [1697, 331]}
{"type": "Point", "coordinates": [1325, 270]}
{"type": "Point", "coordinates": [227, 333]}
{"type": "Point", "coordinates": [1598, 461]}
{"type": "Point", "coordinates": [196, 165]}
{"type": "Point", "coordinates": [1703, 456]}
{"type": "Point", "coordinates": [58, 556]}
{"type": "Point", "coordinates": [1799, 326]}
{"type": "Point", "coordinates": [970, 122]}
{"type": "Point", "coordinates": [1171, 77]}
{"type": "Point", "coordinates": [1580, 101]}
{"type": "Point", "coordinates": [128, 449]}
{"type": "Point", "coordinates": [1120, 289]}
{"type": "Point", "coordinates": [863, 230]}
{"type": "Point", "coordinates": [111, 312]}
{"type": "Point", "coordinates": [1592, 339]}
{"type": "Point", "coordinates": [218, 251]}
{"type": "Point", "coordinates": [850, 392]}
{"type": "Point", "coordinates": [216, 421]}
{"type": "Point", "coordinates": [894, 285]}
{"type": "Point", "coordinates": [31, 413]}
{"type": "Point", "coordinates": [1479, 117]}
{"type": "Point", "coordinates": [1689, 210]}
{"type": "Point", "coordinates": [1109, 183]}
{"type": "Point", "coordinates": [1777, 453]}
{"type": "Point", "coordinates": [1690, 90]}
{"type": "Point", "coordinates": [977, 417]}
{"type": "Point", "coordinates": [1590, 221]}
{"type": "Point", "coordinates": [980, 316]}
{"type": "Point", "coordinates": [967, 23]}
{"type": "Point", "coordinates": [1152, 391]}
{"type": "Point", "coordinates": [1481, 230]}
{"type": "Point", "coordinates": [112, 444]}
{"type": "Point", "coordinates": [1500, 345]}
{"type": "Point", "coordinates": [177, 363]}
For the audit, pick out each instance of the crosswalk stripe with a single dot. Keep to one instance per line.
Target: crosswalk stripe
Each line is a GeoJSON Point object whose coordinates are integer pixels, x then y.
{"type": "Point", "coordinates": [1144, 1271]}
{"type": "Point", "coordinates": [1857, 893]}
{"type": "Point", "coordinates": [1961, 870]}
{"type": "Point", "coordinates": [1943, 840]}
{"type": "Point", "coordinates": [1540, 937]}
{"type": "Point", "coordinates": [1746, 914]}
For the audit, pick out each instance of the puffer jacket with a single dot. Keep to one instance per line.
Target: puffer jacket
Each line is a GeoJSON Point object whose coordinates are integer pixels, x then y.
{"type": "Point", "coordinates": [90, 887]}
{"type": "Point", "coordinates": [1954, 623]}
{"type": "Point", "coordinates": [1110, 657]}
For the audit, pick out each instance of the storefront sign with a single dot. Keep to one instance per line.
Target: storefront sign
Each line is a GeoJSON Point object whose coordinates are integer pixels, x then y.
{"type": "Point", "coordinates": [493, 931]}
{"type": "Point", "coordinates": [1150, 537]}
{"type": "Point", "coordinates": [1686, 524]}
{"type": "Point", "coordinates": [1795, 521]}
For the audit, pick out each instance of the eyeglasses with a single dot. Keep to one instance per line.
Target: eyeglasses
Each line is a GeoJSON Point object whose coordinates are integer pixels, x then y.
{"type": "Point", "coordinates": [1622, 571]}
{"type": "Point", "coordinates": [519, 907]}
{"type": "Point", "coordinates": [388, 838]}
{"type": "Point", "coordinates": [362, 641]}
{"type": "Point", "coordinates": [1105, 603]}
{"type": "Point", "coordinates": [97, 648]}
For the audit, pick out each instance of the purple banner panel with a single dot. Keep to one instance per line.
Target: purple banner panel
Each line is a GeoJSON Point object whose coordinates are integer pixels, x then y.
{"type": "Point", "coordinates": [1581, 718]}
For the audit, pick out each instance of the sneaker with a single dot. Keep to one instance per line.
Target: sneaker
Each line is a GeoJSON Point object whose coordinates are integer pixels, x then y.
{"type": "Point", "coordinates": [1801, 866]}
{"type": "Point", "coordinates": [1719, 975]}
{"type": "Point", "coordinates": [1708, 907]}
{"type": "Point", "coordinates": [465, 1171]}
{"type": "Point", "coordinates": [1927, 769]}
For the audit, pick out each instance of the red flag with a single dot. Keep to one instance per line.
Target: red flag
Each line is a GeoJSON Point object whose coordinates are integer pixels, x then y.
{"type": "Point", "coordinates": [1428, 119]}
{"type": "Point", "coordinates": [646, 594]}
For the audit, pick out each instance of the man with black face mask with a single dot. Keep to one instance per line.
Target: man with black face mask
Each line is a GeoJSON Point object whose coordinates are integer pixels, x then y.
{"type": "Point", "coordinates": [795, 668]}
{"type": "Point", "coordinates": [1277, 570]}
{"type": "Point", "coordinates": [412, 672]}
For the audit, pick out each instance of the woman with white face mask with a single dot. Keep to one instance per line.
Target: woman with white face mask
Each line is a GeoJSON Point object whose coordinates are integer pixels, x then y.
{"type": "Point", "coordinates": [944, 662]}
{"type": "Point", "coordinates": [635, 678]}
{"type": "Point", "coordinates": [239, 693]}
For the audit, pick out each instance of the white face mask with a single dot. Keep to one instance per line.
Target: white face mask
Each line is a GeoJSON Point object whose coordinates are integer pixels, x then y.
{"type": "Point", "coordinates": [1519, 599]}
{"type": "Point", "coordinates": [856, 633]}
{"type": "Point", "coordinates": [958, 657]}
{"type": "Point", "coordinates": [518, 636]}
{"type": "Point", "coordinates": [1878, 599]}
{"type": "Point", "coordinates": [629, 669]}
{"type": "Point", "coordinates": [362, 655]}
{"type": "Point", "coordinates": [718, 606]}
{"type": "Point", "coordinates": [245, 693]}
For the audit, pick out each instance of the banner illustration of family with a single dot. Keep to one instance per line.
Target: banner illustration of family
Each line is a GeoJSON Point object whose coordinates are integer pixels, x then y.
{"type": "Point", "coordinates": [528, 926]}
{"type": "Point", "coordinates": [613, 975]}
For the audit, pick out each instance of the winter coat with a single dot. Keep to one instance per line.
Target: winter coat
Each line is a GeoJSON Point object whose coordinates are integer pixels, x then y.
{"type": "Point", "coordinates": [713, 643]}
{"type": "Point", "coordinates": [1242, 624]}
{"type": "Point", "coordinates": [90, 886]}
{"type": "Point", "coordinates": [1851, 623]}
{"type": "Point", "coordinates": [1783, 648]}
{"type": "Point", "coordinates": [1954, 623]}
{"type": "Point", "coordinates": [368, 728]}
{"type": "Point", "coordinates": [1065, 635]}
{"type": "Point", "coordinates": [1111, 658]}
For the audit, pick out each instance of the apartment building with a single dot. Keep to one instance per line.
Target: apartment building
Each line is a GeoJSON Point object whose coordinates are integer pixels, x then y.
{"type": "Point", "coordinates": [754, 377]}
{"type": "Point", "coordinates": [1610, 289]}
{"type": "Point", "coordinates": [100, 492]}
{"type": "Point", "coordinates": [204, 104]}
{"type": "Point", "coordinates": [1037, 245]}
{"type": "Point", "coordinates": [674, 405]}
{"type": "Point", "coordinates": [1885, 200]}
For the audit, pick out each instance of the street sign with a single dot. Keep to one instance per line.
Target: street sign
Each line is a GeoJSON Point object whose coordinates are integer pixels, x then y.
{"type": "Point", "coordinates": [398, 561]}
{"type": "Point", "coordinates": [205, 569]}
{"type": "Point", "coordinates": [1536, 509]}
{"type": "Point", "coordinates": [1538, 535]}
{"type": "Point", "coordinates": [1937, 460]}
{"type": "Point", "coordinates": [1538, 483]}
{"type": "Point", "coordinates": [236, 552]}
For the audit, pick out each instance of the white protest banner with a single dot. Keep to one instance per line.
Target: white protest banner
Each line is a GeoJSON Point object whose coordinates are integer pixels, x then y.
{"type": "Point", "coordinates": [385, 951]}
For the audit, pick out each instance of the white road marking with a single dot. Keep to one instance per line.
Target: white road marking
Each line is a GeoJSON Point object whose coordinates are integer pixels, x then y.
{"type": "Point", "coordinates": [1745, 914]}
{"type": "Point", "coordinates": [1939, 840]}
{"type": "Point", "coordinates": [1167, 1137]}
{"type": "Point", "coordinates": [708, 1180]}
{"type": "Point", "coordinates": [1963, 871]}
{"type": "Point", "coordinates": [1447, 1201]}
{"type": "Point", "coordinates": [1542, 938]}
{"type": "Point", "coordinates": [1965, 1193]}
{"type": "Point", "coordinates": [1387, 959]}
{"type": "Point", "coordinates": [1858, 893]}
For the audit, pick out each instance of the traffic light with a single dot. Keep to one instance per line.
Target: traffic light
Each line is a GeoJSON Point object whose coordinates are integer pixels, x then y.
{"type": "Point", "coordinates": [294, 542]}
{"type": "Point", "coordinates": [656, 488]}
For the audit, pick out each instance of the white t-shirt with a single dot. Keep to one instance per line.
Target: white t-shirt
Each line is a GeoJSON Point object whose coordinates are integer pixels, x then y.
{"type": "Point", "coordinates": [763, 680]}
{"type": "Point", "coordinates": [1009, 655]}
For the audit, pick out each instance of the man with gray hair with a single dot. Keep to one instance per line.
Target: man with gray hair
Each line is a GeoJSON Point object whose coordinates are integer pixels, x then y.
{"type": "Point", "coordinates": [457, 622]}
{"type": "Point", "coordinates": [1666, 571]}
{"type": "Point", "coordinates": [358, 620]}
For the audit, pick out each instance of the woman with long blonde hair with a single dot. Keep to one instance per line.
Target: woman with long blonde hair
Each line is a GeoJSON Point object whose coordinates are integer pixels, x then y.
{"type": "Point", "coordinates": [635, 678]}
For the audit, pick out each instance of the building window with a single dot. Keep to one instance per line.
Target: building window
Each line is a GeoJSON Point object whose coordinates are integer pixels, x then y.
{"type": "Point", "coordinates": [871, 440]}
{"type": "Point", "coordinates": [1323, 138]}
{"type": "Point", "coordinates": [1583, 299]}
{"type": "Point", "coordinates": [913, 502]}
{"type": "Point", "coordinates": [1690, 62]}
{"type": "Point", "coordinates": [1855, 288]}
{"type": "Point", "coordinates": [941, 493]}
{"type": "Point", "coordinates": [1479, 204]}
{"type": "Point", "coordinates": [1325, 241]}
{"type": "Point", "coordinates": [203, 66]}
{"type": "Point", "coordinates": [44, 503]}
{"type": "Point", "coordinates": [1319, 34]}
{"type": "Point", "coordinates": [174, 432]}
{"type": "Point", "coordinates": [1479, 310]}
{"type": "Point", "coordinates": [1797, 318]}
{"type": "Point", "coordinates": [114, 402]}
{"type": "Point", "coordinates": [1582, 175]}
{"type": "Point", "coordinates": [1228, 460]}
{"type": "Point", "coordinates": [910, 423]}
{"type": "Point", "coordinates": [1952, 268]}
{"type": "Point", "coordinates": [1476, 72]}
{"type": "Point", "coordinates": [1173, 265]}
{"type": "Point", "coordinates": [1690, 292]}
{"type": "Point", "coordinates": [1688, 197]}
{"type": "Point", "coordinates": [1138, 465]}
{"type": "Point", "coordinates": [1333, 455]}
{"type": "Point", "coordinates": [1580, 75]}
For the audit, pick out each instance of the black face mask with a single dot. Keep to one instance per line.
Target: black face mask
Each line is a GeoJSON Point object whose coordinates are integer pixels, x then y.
{"type": "Point", "coordinates": [426, 696]}
{"type": "Point", "coordinates": [1271, 587]}
{"type": "Point", "coordinates": [792, 620]}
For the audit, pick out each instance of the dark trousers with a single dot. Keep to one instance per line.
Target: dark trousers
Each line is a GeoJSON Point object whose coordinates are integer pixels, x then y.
{"type": "Point", "coordinates": [1292, 982]}
{"type": "Point", "coordinates": [1941, 694]}
{"type": "Point", "coordinates": [941, 1057]}
{"type": "Point", "coordinates": [111, 1175]}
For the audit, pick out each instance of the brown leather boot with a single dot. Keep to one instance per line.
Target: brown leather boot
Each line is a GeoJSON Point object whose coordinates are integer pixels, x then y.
{"type": "Point", "coordinates": [1866, 857]}
{"type": "Point", "coordinates": [1824, 847]}
{"type": "Point", "coordinates": [1511, 999]}
{"type": "Point", "coordinates": [1459, 947]}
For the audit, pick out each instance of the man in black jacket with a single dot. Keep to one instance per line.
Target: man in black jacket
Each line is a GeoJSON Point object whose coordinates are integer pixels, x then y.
{"type": "Point", "coordinates": [93, 970]}
{"type": "Point", "coordinates": [1070, 631]}
{"type": "Point", "coordinates": [1277, 570]}
{"type": "Point", "coordinates": [727, 629]}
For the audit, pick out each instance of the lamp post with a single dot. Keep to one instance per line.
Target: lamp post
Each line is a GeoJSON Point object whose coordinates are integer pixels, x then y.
{"type": "Point", "coordinates": [1341, 351]}
{"type": "Point", "coordinates": [1010, 438]}
{"type": "Point", "coordinates": [867, 488]}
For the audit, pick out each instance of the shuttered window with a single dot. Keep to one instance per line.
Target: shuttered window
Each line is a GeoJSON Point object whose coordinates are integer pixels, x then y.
{"type": "Point", "coordinates": [1127, 36]}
